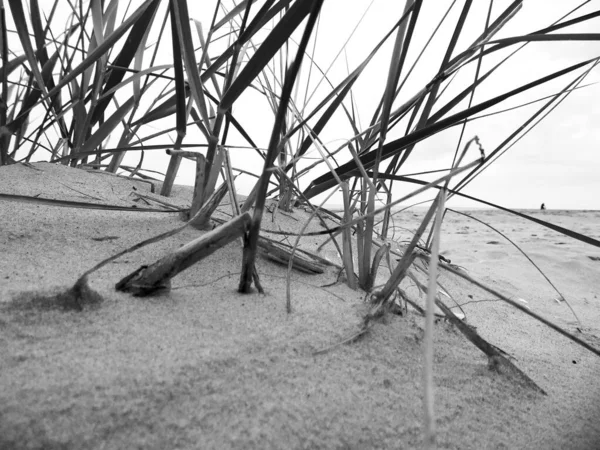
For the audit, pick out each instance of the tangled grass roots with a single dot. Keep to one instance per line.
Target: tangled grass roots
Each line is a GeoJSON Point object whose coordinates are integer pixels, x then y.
{"type": "Point", "coordinates": [75, 298]}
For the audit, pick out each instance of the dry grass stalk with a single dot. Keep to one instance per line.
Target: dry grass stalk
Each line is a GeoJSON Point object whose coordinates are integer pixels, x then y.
{"type": "Point", "coordinates": [561, 296]}
{"type": "Point", "coordinates": [517, 305]}
{"type": "Point", "coordinates": [284, 253]}
{"type": "Point", "coordinates": [346, 239]}
{"type": "Point", "coordinates": [428, 402]}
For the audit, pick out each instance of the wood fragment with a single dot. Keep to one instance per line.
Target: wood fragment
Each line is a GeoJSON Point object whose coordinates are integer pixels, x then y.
{"type": "Point", "coordinates": [148, 280]}
{"type": "Point", "coordinates": [281, 253]}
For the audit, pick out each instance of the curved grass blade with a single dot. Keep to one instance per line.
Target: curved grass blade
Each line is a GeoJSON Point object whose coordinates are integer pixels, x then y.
{"type": "Point", "coordinates": [130, 48]}
{"type": "Point", "coordinates": [382, 209]}
{"type": "Point", "coordinates": [546, 109]}
{"type": "Point", "coordinates": [517, 305]}
{"type": "Point", "coordinates": [182, 21]}
{"type": "Point", "coordinates": [272, 44]}
{"type": "Point", "coordinates": [84, 205]}
{"type": "Point", "coordinates": [573, 234]}
{"type": "Point", "coordinates": [105, 129]}
{"type": "Point", "coordinates": [262, 17]}
{"type": "Point", "coordinates": [524, 254]}
{"type": "Point", "coordinates": [392, 148]}
{"type": "Point", "coordinates": [4, 135]}
{"type": "Point", "coordinates": [18, 14]}
{"type": "Point", "coordinates": [501, 44]}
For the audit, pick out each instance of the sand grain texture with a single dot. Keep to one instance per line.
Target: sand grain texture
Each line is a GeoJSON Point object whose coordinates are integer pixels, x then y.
{"type": "Point", "coordinates": [206, 367]}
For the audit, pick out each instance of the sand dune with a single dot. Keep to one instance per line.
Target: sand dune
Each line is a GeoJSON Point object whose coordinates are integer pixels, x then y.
{"type": "Point", "coordinates": [205, 367]}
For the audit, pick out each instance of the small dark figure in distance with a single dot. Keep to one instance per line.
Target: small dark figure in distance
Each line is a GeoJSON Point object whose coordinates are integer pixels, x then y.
{"type": "Point", "coordinates": [543, 207]}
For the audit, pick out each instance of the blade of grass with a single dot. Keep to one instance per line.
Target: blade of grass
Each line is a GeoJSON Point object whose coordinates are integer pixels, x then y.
{"type": "Point", "coordinates": [312, 8]}
{"type": "Point", "coordinates": [4, 135]}
{"type": "Point", "coordinates": [573, 234]}
{"type": "Point", "coordinates": [347, 239]}
{"type": "Point", "coordinates": [381, 297]}
{"type": "Point", "coordinates": [105, 130]}
{"type": "Point", "coordinates": [398, 56]}
{"type": "Point", "coordinates": [428, 403]}
{"type": "Point", "coordinates": [182, 21]}
{"type": "Point", "coordinates": [517, 305]}
{"type": "Point", "coordinates": [214, 153]}
{"type": "Point", "coordinates": [525, 255]}
{"type": "Point", "coordinates": [349, 169]}
{"type": "Point", "coordinates": [135, 40]}
{"type": "Point", "coordinates": [554, 101]}
{"type": "Point", "coordinates": [434, 86]}
{"type": "Point", "coordinates": [181, 111]}
{"type": "Point", "coordinates": [361, 218]}
{"type": "Point", "coordinates": [271, 45]}
{"type": "Point", "coordinates": [18, 14]}
{"type": "Point", "coordinates": [95, 55]}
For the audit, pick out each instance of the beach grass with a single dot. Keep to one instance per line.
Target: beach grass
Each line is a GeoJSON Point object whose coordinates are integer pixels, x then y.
{"type": "Point", "coordinates": [69, 87]}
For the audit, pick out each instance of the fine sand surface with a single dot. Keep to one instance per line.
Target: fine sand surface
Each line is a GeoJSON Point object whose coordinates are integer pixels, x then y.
{"type": "Point", "coordinates": [203, 367]}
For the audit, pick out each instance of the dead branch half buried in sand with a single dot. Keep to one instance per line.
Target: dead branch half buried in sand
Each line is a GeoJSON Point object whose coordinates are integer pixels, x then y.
{"type": "Point", "coordinates": [149, 279]}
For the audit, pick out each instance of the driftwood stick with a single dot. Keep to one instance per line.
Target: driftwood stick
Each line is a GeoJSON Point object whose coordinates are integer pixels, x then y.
{"type": "Point", "coordinates": [282, 253]}
{"type": "Point", "coordinates": [149, 279]}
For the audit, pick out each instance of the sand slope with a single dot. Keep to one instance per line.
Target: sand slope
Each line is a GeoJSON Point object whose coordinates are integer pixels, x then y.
{"type": "Point", "coordinates": [206, 367]}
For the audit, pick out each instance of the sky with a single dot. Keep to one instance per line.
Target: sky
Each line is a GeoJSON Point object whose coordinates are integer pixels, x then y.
{"type": "Point", "coordinates": [557, 163]}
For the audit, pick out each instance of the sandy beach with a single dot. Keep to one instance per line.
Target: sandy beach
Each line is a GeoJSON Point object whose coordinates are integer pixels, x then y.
{"type": "Point", "coordinates": [204, 367]}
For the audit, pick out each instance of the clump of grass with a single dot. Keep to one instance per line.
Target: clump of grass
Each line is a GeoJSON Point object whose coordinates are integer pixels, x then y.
{"type": "Point", "coordinates": [67, 93]}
